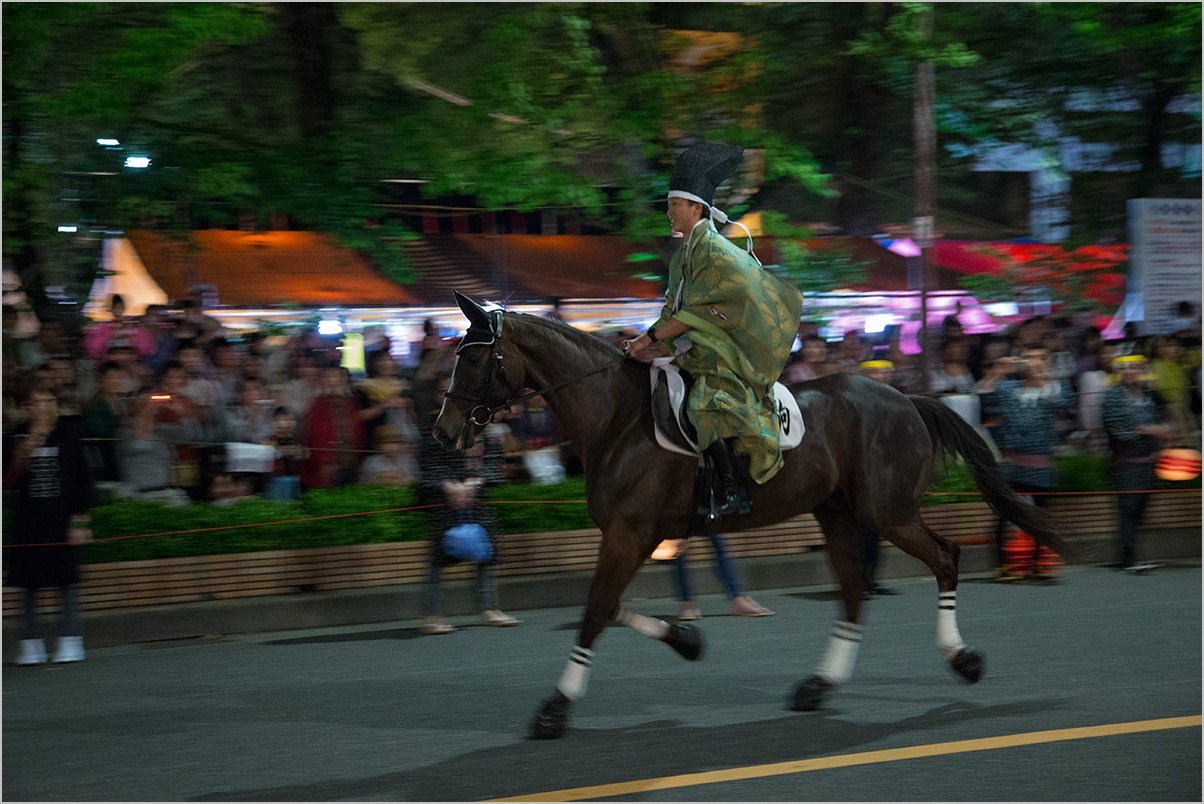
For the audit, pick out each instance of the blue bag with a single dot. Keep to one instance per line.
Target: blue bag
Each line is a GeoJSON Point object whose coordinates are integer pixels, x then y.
{"type": "Point", "coordinates": [468, 542]}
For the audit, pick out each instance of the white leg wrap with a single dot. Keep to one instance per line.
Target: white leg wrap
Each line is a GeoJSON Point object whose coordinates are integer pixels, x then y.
{"type": "Point", "coordinates": [947, 637]}
{"type": "Point", "coordinates": [838, 662]}
{"type": "Point", "coordinates": [575, 677]}
{"type": "Point", "coordinates": [648, 626]}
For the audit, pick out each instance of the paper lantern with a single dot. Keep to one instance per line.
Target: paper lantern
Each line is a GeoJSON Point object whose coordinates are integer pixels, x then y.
{"type": "Point", "coordinates": [1178, 464]}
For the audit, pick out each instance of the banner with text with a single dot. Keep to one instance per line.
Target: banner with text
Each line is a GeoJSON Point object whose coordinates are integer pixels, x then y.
{"type": "Point", "coordinates": [1164, 261]}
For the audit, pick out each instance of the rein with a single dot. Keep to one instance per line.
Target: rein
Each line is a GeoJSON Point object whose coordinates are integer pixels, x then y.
{"type": "Point", "coordinates": [498, 370]}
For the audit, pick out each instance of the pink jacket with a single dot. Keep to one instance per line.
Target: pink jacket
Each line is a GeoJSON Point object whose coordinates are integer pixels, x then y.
{"type": "Point", "coordinates": [98, 337]}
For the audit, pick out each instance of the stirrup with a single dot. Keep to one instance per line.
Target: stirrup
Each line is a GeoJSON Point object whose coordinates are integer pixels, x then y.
{"type": "Point", "coordinates": [729, 500]}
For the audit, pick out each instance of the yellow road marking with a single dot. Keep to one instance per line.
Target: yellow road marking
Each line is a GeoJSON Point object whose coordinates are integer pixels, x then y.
{"type": "Point", "coordinates": [864, 758]}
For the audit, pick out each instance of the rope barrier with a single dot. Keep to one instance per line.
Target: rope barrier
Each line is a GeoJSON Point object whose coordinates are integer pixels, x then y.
{"type": "Point", "coordinates": [535, 502]}
{"type": "Point", "coordinates": [1067, 493]}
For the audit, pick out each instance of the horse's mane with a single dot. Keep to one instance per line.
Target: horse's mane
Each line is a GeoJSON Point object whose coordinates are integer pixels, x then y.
{"type": "Point", "coordinates": [586, 342]}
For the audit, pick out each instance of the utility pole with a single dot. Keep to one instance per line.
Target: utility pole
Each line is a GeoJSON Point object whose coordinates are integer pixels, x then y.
{"type": "Point", "coordinates": [922, 225]}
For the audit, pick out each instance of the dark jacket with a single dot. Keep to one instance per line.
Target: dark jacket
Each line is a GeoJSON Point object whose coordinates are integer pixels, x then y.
{"type": "Point", "coordinates": [54, 484]}
{"type": "Point", "coordinates": [438, 466]}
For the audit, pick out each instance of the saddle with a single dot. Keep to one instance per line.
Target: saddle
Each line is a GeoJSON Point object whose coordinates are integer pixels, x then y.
{"type": "Point", "coordinates": [674, 431]}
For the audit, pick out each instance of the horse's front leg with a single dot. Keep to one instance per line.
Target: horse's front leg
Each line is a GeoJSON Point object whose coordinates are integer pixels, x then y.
{"type": "Point", "coordinates": [618, 562]}
{"type": "Point", "coordinates": [840, 532]}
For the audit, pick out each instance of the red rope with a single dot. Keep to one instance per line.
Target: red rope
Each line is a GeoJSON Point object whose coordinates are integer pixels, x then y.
{"type": "Point", "coordinates": [1069, 493]}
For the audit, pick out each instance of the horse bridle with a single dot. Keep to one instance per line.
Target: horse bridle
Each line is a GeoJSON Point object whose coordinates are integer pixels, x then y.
{"type": "Point", "coordinates": [491, 337]}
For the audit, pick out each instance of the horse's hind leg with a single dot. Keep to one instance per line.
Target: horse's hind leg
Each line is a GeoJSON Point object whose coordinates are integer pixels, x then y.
{"type": "Point", "coordinates": [940, 555]}
{"type": "Point", "coordinates": [840, 531]}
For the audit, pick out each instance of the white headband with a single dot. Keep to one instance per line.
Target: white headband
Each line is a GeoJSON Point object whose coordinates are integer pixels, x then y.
{"type": "Point", "coordinates": [716, 215]}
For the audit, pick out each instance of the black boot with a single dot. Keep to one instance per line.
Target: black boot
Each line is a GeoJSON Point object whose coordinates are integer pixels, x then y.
{"type": "Point", "coordinates": [730, 496]}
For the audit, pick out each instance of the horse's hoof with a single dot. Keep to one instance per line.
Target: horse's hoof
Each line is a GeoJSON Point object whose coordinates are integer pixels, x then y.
{"type": "Point", "coordinates": [969, 664]}
{"type": "Point", "coordinates": [552, 718]}
{"type": "Point", "coordinates": [811, 693]}
{"type": "Point", "coordinates": [686, 640]}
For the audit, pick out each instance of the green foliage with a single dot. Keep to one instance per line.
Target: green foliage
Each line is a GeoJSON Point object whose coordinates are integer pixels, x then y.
{"type": "Point", "coordinates": [819, 271]}
{"type": "Point", "coordinates": [331, 517]}
{"type": "Point", "coordinates": [651, 266]}
{"type": "Point", "coordinates": [774, 224]}
{"type": "Point", "coordinates": [131, 518]}
{"type": "Point", "coordinates": [1076, 472]}
{"type": "Point", "coordinates": [905, 37]}
{"type": "Point", "coordinates": [299, 109]}
{"type": "Point", "coordinates": [987, 288]}
{"type": "Point", "coordinates": [951, 483]}
{"type": "Point", "coordinates": [549, 510]}
{"type": "Point", "coordinates": [130, 530]}
{"type": "Point", "coordinates": [1081, 473]}
{"type": "Point", "coordinates": [784, 159]}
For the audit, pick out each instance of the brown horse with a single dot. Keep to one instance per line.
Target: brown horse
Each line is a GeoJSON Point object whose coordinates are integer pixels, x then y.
{"type": "Point", "coordinates": [866, 458]}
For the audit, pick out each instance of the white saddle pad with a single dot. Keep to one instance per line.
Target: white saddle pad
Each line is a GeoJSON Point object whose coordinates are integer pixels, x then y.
{"type": "Point", "coordinates": [790, 419]}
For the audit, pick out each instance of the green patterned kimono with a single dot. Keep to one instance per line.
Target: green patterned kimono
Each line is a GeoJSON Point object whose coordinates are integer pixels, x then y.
{"type": "Point", "coordinates": [743, 321]}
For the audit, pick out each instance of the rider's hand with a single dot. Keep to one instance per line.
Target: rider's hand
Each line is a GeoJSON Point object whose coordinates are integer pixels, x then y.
{"type": "Point", "coordinates": [644, 348]}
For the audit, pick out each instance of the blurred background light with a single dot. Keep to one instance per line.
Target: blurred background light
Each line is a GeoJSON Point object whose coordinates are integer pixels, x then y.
{"type": "Point", "coordinates": [904, 247]}
{"type": "Point", "coordinates": [329, 326]}
{"type": "Point", "coordinates": [877, 323]}
{"type": "Point", "coordinates": [68, 228]}
{"type": "Point", "coordinates": [1002, 309]}
{"type": "Point", "coordinates": [137, 162]}
{"type": "Point", "coordinates": [107, 141]}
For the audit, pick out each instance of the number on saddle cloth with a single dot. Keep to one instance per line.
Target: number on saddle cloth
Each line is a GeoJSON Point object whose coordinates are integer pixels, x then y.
{"type": "Point", "coordinates": [674, 432]}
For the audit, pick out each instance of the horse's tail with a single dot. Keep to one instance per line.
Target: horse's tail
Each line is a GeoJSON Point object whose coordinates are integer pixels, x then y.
{"type": "Point", "coordinates": [951, 435]}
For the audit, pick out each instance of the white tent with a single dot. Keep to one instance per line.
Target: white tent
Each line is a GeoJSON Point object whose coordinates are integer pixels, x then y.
{"type": "Point", "coordinates": [125, 276]}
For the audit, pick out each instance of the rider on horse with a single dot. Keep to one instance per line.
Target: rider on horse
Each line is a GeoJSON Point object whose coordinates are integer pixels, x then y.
{"type": "Point", "coordinates": [729, 324]}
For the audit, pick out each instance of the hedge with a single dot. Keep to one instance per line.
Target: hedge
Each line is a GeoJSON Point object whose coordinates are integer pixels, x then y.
{"type": "Point", "coordinates": [146, 520]}
{"type": "Point", "coordinates": [555, 508]}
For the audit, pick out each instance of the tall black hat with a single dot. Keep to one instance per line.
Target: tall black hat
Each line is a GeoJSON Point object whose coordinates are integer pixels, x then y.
{"type": "Point", "coordinates": [702, 168]}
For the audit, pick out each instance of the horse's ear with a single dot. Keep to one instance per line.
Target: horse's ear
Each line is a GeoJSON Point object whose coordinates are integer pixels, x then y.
{"type": "Point", "coordinates": [476, 315]}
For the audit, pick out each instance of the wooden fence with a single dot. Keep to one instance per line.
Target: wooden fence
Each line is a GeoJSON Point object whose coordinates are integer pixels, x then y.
{"type": "Point", "coordinates": [277, 572]}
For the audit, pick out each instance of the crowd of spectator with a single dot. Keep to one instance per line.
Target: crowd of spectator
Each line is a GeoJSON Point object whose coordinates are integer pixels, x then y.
{"type": "Point", "coordinates": [172, 406]}
{"type": "Point", "coordinates": [164, 397]}
{"type": "Point", "coordinates": [1078, 366]}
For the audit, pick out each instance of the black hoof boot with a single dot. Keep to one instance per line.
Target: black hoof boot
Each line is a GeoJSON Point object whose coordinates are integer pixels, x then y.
{"type": "Point", "coordinates": [811, 693]}
{"type": "Point", "coordinates": [686, 640]}
{"type": "Point", "coordinates": [969, 664]}
{"type": "Point", "coordinates": [552, 718]}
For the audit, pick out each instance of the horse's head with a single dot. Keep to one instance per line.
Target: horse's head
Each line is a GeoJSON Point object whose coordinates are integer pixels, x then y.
{"type": "Point", "coordinates": [482, 381]}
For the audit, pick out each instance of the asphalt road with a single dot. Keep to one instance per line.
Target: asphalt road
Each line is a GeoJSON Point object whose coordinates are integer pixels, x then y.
{"type": "Point", "coordinates": [380, 713]}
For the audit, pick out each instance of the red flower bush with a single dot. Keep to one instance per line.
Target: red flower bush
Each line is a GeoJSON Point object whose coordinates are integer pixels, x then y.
{"type": "Point", "coordinates": [1093, 274]}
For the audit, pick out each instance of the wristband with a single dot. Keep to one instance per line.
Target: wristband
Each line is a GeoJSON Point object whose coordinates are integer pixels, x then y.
{"type": "Point", "coordinates": [651, 333]}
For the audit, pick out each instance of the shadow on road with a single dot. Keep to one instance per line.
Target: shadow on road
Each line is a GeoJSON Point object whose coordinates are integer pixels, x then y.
{"type": "Point", "coordinates": [586, 757]}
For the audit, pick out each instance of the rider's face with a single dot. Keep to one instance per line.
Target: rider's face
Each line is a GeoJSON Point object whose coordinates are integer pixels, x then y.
{"type": "Point", "coordinates": [683, 215]}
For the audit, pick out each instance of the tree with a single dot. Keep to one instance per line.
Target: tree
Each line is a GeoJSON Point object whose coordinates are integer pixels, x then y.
{"type": "Point", "coordinates": [251, 110]}
{"type": "Point", "coordinates": [1109, 74]}
{"type": "Point", "coordinates": [74, 72]}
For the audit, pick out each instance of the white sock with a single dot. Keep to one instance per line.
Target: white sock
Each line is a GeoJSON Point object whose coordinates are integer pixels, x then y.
{"type": "Point", "coordinates": [575, 678]}
{"type": "Point", "coordinates": [843, 645]}
{"type": "Point", "coordinates": [648, 626]}
{"type": "Point", "coordinates": [947, 636]}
